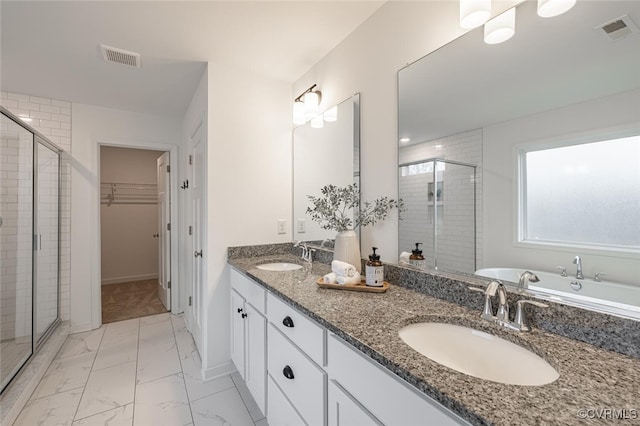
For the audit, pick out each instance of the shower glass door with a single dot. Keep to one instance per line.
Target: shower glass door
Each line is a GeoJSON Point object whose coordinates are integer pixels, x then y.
{"type": "Point", "coordinates": [46, 240]}
{"type": "Point", "coordinates": [16, 243]}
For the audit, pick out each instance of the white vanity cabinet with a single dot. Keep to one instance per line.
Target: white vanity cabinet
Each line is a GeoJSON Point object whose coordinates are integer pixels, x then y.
{"type": "Point", "coordinates": [363, 390]}
{"type": "Point", "coordinates": [296, 354]}
{"type": "Point", "coordinates": [248, 335]}
{"type": "Point", "coordinates": [301, 374]}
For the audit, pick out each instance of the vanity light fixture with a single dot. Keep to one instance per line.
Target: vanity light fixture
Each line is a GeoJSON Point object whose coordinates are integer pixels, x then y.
{"type": "Point", "coordinates": [310, 100]}
{"type": "Point", "coordinates": [298, 113]}
{"type": "Point", "coordinates": [474, 13]}
{"type": "Point", "coordinates": [551, 8]}
{"type": "Point", "coordinates": [501, 28]}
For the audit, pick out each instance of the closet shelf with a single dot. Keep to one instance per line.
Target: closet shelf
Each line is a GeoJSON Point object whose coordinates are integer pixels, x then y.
{"type": "Point", "coordinates": [128, 193]}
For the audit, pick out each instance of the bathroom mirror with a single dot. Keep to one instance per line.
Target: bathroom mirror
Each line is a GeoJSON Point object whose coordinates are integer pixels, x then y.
{"type": "Point", "coordinates": [324, 156]}
{"type": "Point", "coordinates": [559, 80]}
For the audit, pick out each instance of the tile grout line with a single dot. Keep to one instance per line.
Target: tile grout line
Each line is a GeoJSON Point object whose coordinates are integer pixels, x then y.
{"type": "Point", "coordinates": [75, 413]}
{"type": "Point", "coordinates": [184, 382]}
{"type": "Point", "coordinates": [135, 378]}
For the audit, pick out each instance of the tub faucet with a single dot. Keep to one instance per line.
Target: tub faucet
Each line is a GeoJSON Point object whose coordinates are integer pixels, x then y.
{"type": "Point", "coordinates": [526, 277]}
{"type": "Point", "coordinates": [578, 262]}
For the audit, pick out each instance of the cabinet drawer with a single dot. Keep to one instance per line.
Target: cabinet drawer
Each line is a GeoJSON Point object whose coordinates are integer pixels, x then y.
{"type": "Point", "coordinates": [251, 291]}
{"type": "Point", "coordinates": [302, 382]}
{"type": "Point", "coordinates": [302, 331]}
{"type": "Point", "coordinates": [280, 412]}
{"type": "Point", "coordinates": [391, 400]}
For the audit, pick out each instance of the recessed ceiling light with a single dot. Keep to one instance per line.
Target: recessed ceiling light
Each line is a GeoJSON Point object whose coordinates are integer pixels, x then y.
{"type": "Point", "coordinates": [405, 140]}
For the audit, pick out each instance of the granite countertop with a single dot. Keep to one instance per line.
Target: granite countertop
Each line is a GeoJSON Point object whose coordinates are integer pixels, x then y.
{"type": "Point", "coordinates": [591, 378]}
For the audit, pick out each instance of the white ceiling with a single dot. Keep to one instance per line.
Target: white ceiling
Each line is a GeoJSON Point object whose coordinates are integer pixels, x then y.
{"type": "Point", "coordinates": [51, 48]}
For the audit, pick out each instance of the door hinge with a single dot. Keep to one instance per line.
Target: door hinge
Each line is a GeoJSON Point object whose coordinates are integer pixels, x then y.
{"type": "Point", "coordinates": [190, 160]}
{"type": "Point", "coordinates": [168, 168]}
{"type": "Point", "coordinates": [168, 284]}
{"type": "Point", "coordinates": [168, 227]}
{"type": "Point", "coordinates": [189, 300]}
{"type": "Point", "coordinates": [190, 229]}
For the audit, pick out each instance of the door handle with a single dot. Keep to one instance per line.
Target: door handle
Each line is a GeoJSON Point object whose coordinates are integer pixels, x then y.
{"type": "Point", "coordinates": [287, 322]}
{"type": "Point", "coordinates": [288, 372]}
{"type": "Point", "coordinates": [197, 253]}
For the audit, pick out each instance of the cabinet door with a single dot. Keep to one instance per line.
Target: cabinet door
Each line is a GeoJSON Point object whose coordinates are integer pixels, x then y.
{"type": "Point", "coordinates": [344, 410]}
{"type": "Point", "coordinates": [255, 355]}
{"type": "Point", "coordinates": [238, 315]}
{"type": "Point", "coordinates": [280, 412]}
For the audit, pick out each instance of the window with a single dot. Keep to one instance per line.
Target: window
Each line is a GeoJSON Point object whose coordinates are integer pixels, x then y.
{"type": "Point", "coordinates": [587, 195]}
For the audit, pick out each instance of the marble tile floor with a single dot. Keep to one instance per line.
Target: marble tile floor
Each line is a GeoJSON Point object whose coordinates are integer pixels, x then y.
{"type": "Point", "coordinates": [138, 372]}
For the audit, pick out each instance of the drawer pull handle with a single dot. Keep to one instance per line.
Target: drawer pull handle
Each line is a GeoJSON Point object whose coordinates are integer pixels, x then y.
{"type": "Point", "coordinates": [239, 310]}
{"type": "Point", "coordinates": [288, 372]}
{"type": "Point", "coordinates": [244, 315]}
{"type": "Point", "coordinates": [287, 322]}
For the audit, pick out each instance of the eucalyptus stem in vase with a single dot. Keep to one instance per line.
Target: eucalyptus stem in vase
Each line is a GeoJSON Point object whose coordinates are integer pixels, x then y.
{"type": "Point", "coordinates": [340, 209]}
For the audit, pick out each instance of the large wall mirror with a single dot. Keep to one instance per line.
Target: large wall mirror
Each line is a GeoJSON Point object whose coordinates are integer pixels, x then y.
{"type": "Point", "coordinates": [329, 155]}
{"type": "Point", "coordinates": [469, 116]}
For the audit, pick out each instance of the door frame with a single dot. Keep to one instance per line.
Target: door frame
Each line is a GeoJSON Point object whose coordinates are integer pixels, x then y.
{"type": "Point", "coordinates": [96, 294]}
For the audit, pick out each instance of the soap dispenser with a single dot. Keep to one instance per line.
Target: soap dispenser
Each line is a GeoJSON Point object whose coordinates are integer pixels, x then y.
{"type": "Point", "coordinates": [416, 258]}
{"type": "Point", "coordinates": [374, 270]}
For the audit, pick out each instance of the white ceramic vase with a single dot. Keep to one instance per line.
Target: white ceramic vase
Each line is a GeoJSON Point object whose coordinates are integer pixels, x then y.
{"type": "Point", "coordinates": [347, 248]}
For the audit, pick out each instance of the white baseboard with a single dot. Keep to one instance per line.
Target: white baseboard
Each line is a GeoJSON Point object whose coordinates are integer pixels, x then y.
{"type": "Point", "coordinates": [117, 280]}
{"type": "Point", "coordinates": [218, 371]}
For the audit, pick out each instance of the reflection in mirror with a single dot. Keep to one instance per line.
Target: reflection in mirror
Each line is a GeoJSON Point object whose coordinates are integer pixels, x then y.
{"type": "Point", "coordinates": [568, 81]}
{"type": "Point", "coordinates": [324, 156]}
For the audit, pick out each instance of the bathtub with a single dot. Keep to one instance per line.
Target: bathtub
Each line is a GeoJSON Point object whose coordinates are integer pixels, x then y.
{"type": "Point", "coordinates": [606, 296]}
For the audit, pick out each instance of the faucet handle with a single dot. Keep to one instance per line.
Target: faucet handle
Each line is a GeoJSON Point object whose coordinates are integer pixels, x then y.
{"type": "Point", "coordinates": [520, 320]}
{"type": "Point", "coordinates": [563, 272]}
{"type": "Point", "coordinates": [597, 277]}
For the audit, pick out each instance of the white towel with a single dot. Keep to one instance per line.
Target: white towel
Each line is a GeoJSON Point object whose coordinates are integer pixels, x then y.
{"type": "Point", "coordinates": [355, 279]}
{"type": "Point", "coordinates": [343, 268]}
{"type": "Point", "coordinates": [404, 257]}
{"type": "Point", "coordinates": [330, 278]}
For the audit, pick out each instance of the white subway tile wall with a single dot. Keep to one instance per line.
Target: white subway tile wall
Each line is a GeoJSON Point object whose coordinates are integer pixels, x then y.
{"type": "Point", "coordinates": [52, 118]}
{"type": "Point", "coordinates": [455, 208]}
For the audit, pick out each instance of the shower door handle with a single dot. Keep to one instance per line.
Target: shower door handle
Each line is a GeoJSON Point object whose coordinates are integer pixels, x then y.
{"type": "Point", "coordinates": [197, 253]}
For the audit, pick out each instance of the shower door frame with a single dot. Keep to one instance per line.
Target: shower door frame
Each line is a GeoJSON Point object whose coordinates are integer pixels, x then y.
{"type": "Point", "coordinates": [434, 161]}
{"type": "Point", "coordinates": [38, 139]}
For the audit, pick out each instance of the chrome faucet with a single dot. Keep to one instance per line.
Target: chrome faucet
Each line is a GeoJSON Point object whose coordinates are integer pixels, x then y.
{"type": "Point", "coordinates": [307, 253]}
{"type": "Point", "coordinates": [526, 277]}
{"type": "Point", "coordinates": [578, 262]}
{"type": "Point", "coordinates": [502, 315]}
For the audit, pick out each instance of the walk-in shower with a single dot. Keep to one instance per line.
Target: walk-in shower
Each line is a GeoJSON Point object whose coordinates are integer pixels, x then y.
{"type": "Point", "coordinates": [440, 212]}
{"type": "Point", "coordinates": [29, 243]}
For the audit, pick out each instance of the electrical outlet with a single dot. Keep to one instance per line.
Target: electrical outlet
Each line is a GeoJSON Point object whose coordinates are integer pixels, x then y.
{"type": "Point", "coordinates": [282, 226]}
{"type": "Point", "coordinates": [302, 227]}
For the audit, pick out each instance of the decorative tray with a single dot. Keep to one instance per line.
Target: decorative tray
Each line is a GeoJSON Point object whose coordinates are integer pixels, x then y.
{"type": "Point", "coordinates": [355, 287]}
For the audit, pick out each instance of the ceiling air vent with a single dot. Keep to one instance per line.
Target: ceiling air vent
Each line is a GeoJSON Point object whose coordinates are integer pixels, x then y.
{"type": "Point", "coordinates": [120, 56]}
{"type": "Point", "coordinates": [618, 28]}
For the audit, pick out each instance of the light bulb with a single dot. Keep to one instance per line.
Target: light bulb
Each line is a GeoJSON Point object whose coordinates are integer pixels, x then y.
{"type": "Point", "coordinates": [501, 28]}
{"type": "Point", "coordinates": [298, 113]}
{"type": "Point", "coordinates": [474, 13]}
{"type": "Point", "coordinates": [551, 8]}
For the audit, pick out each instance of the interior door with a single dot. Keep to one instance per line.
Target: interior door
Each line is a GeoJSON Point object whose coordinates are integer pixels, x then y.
{"type": "Point", "coordinates": [193, 312]}
{"type": "Point", "coordinates": [164, 231]}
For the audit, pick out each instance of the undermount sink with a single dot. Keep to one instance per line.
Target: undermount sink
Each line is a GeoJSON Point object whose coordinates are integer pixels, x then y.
{"type": "Point", "coordinates": [478, 354]}
{"type": "Point", "coordinates": [279, 266]}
